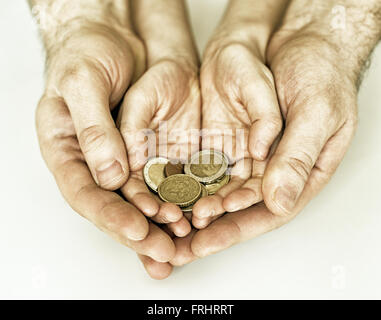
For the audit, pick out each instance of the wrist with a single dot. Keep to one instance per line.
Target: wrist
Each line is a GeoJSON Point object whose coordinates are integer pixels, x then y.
{"type": "Point", "coordinates": [252, 35]}
{"type": "Point", "coordinates": [351, 27]}
{"type": "Point", "coordinates": [60, 18]}
{"type": "Point", "coordinates": [250, 23]}
{"type": "Point", "coordinates": [183, 55]}
{"type": "Point", "coordinates": [164, 27]}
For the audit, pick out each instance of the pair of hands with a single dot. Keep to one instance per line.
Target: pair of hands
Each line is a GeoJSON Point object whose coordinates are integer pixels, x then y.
{"type": "Point", "coordinates": [96, 66]}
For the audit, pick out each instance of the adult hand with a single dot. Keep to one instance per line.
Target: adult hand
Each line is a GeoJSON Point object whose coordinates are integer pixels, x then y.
{"type": "Point", "coordinates": [317, 71]}
{"type": "Point", "coordinates": [89, 67]}
{"type": "Point", "coordinates": [317, 65]}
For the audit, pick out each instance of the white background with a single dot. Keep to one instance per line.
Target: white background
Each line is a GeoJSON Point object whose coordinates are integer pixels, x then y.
{"type": "Point", "coordinates": [331, 250]}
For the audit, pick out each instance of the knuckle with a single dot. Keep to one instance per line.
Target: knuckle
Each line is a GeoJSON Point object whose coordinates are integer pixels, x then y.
{"type": "Point", "coordinates": [75, 73]}
{"type": "Point", "coordinates": [91, 138]}
{"type": "Point", "coordinates": [301, 165]}
{"type": "Point", "coordinates": [274, 124]}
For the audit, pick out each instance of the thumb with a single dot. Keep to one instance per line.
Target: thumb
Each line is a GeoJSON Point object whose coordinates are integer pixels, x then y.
{"type": "Point", "coordinates": [87, 98]}
{"type": "Point", "coordinates": [134, 120]}
{"type": "Point", "coordinates": [260, 98]}
{"type": "Point", "coordinates": [290, 167]}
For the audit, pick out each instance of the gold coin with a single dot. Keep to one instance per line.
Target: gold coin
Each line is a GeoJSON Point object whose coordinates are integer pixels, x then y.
{"type": "Point", "coordinates": [207, 166]}
{"type": "Point", "coordinates": [171, 169]}
{"type": "Point", "coordinates": [214, 187]}
{"type": "Point", "coordinates": [153, 172]}
{"type": "Point", "coordinates": [180, 189]}
{"type": "Point", "coordinates": [204, 193]}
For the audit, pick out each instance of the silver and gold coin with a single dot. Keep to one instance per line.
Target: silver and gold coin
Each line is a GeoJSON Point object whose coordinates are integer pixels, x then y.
{"type": "Point", "coordinates": [180, 189]}
{"type": "Point", "coordinates": [212, 188]}
{"type": "Point", "coordinates": [207, 166]}
{"type": "Point", "coordinates": [204, 193]}
{"type": "Point", "coordinates": [153, 172]}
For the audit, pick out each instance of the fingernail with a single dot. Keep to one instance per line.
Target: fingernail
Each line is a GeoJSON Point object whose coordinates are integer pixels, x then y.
{"type": "Point", "coordinates": [109, 172]}
{"type": "Point", "coordinates": [285, 198]}
{"type": "Point", "coordinates": [260, 150]}
{"type": "Point", "coordinates": [134, 237]}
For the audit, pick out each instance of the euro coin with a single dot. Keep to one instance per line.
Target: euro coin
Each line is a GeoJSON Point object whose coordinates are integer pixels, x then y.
{"type": "Point", "coordinates": [207, 166]}
{"type": "Point", "coordinates": [153, 172]}
{"type": "Point", "coordinates": [180, 189]}
{"type": "Point", "coordinates": [204, 193]}
{"type": "Point", "coordinates": [212, 188]}
{"type": "Point", "coordinates": [171, 169]}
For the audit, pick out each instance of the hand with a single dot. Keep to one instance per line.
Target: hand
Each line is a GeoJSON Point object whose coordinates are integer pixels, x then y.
{"type": "Point", "coordinates": [239, 104]}
{"type": "Point", "coordinates": [90, 65]}
{"type": "Point", "coordinates": [317, 69]}
{"type": "Point", "coordinates": [167, 94]}
{"type": "Point", "coordinates": [317, 75]}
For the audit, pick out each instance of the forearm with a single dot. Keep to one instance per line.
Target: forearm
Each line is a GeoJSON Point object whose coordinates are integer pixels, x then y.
{"type": "Point", "coordinates": [57, 17]}
{"type": "Point", "coordinates": [250, 22]}
{"type": "Point", "coordinates": [164, 27]}
{"type": "Point", "coordinates": [352, 27]}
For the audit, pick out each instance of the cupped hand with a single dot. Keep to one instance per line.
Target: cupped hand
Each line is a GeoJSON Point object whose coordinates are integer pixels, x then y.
{"type": "Point", "coordinates": [163, 107]}
{"type": "Point", "coordinates": [88, 72]}
{"type": "Point", "coordinates": [241, 117]}
{"type": "Point", "coordinates": [317, 94]}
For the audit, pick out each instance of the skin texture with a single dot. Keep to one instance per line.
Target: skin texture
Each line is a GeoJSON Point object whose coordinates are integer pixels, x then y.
{"type": "Point", "coordinates": [238, 92]}
{"type": "Point", "coordinates": [167, 92]}
{"type": "Point", "coordinates": [290, 88]}
{"type": "Point", "coordinates": [317, 92]}
{"type": "Point", "coordinates": [89, 67]}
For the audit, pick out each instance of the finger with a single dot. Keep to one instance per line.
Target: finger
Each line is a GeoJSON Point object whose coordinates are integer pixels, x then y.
{"type": "Point", "coordinates": [233, 228]}
{"type": "Point", "coordinates": [209, 207]}
{"type": "Point", "coordinates": [206, 208]}
{"type": "Point", "coordinates": [203, 223]}
{"type": "Point", "coordinates": [169, 212]}
{"type": "Point", "coordinates": [158, 245]}
{"type": "Point", "coordinates": [156, 270]}
{"type": "Point", "coordinates": [184, 254]}
{"type": "Point", "coordinates": [135, 122]}
{"type": "Point", "coordinates": [327, 163]}
{"type": "Point", "coordinates": [289, 168]}
{"type": "Point", "coordinates": [260, 97]}
{"type": "Point", "coordinates": [87, 96]}
{"type": "Point", "coordinates": [105, 209]}
{"type": "Point", "coordinates": [60, 149]}
{"type": "Point", "coordinates": [250, 192]}
{"type": "Point", "coordinates": [180, 228]}
{"type": "Point", "coordinates": [137, 192]}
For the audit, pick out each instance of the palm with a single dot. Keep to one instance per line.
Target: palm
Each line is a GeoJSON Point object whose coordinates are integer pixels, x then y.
{"type": "Point", "coordinates": [226, 79]}
{"type": "Point", "coordinates": [167, 96]}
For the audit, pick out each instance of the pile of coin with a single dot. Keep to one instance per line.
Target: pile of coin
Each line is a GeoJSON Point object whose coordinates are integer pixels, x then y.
{"type": "Point", "coordinates": [183, 184]}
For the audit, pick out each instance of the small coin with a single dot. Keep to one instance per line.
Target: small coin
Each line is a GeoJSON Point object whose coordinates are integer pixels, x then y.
{"type": "Point", "coordinates": [212, 188]}
{"type": "Point", "coordinates": [204, 193]}
{"type": "Point", "coordinates": [207, 166]}
{"type": "Point", "coordinates": [153, 172]}
{"type": "Point", "coordinates": [171, 169]}
{"type": "Point", "coordinates": [180, 189]}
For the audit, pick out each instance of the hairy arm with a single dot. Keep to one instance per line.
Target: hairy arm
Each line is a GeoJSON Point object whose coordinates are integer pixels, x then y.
{"type": "Point", "coordinates": [352, 27]}
{"type": "Point", "coordinates": [57, 18]}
